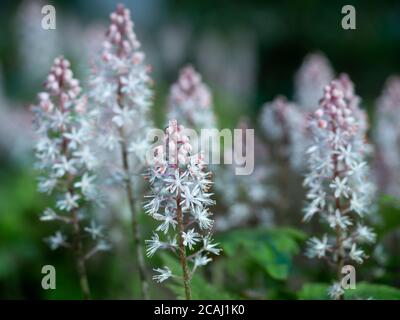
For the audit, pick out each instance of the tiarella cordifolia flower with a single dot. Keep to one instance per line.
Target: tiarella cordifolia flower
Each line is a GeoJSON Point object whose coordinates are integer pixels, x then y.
{"type": "Point", "coordinates": [318, 248]}
{"type": "Point", "coordinates": [62, 126]}
{"type": "Point", "coordinates": [121, 90]}
{"type": "Point", "coordinates": [285, 127]}
{"type": "Point", "coordinates": [336, 291]}
{"type": "Point", "coordinates": [360, 143]}
{"type": "Point", "coordinates": [190, 101]}
{"type": "Point", "coordinates": [338, 183]}
{"type": "Point", "coordinates": [314, 74]}
{"type": "Point", "coordinates": [180, 185]}
{"type": "Point", "coordinates": [163, 274]}
{"type": "Point", "coordinates": [387, 138]}
{"type": "Point", "coordinates": [122, 95]}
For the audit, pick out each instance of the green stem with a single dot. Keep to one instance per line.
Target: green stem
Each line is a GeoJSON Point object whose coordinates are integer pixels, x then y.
{"type": "Point", "coordinates": [80, 260]}
{"type": "Point", "coordinates": [182, 250]}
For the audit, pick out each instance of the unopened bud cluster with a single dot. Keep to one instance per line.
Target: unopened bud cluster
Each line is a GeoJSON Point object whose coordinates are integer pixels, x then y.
{"type": "Point", "coordinates": [65, 161]}
{"type": "Point", "coordinates": [180, 198]}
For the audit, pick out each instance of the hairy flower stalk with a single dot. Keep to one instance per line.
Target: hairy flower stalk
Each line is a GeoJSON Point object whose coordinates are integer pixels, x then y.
{"type": "Point", "coordinates": [180, 196]}
{"type": "Point", "coordinates": [121, 85]}
{"type": "Point", "coordinates": [62, 126]}
{"type": "Point", "coordinates": [387, 138]}
{"type": "Point", "coordinates": [338, 180]}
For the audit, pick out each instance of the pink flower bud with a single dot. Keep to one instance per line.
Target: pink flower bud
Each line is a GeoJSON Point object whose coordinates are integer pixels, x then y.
{"type": "Point", "coordinates": [51, 78]}
{"type": "Point", "coordinates": [117, 37]}
{"type": "Point", "coordinates": [81, 105]}
{"type": "Point", "coordinates": [322, 124]}
{"type": "Point", "coordinates": [106, 56]}
{"type": "Point", "coordinates": [74, 83]}
{"type": "Point", "coordinates": [58, 71]}
{"type": "Point", "coordinates": [319, 113]}
{"type": "Point", "coordinates": [54, 86]}
{"type": "Point", "coordinates": [67, 75]}
{"type": "Point", "coordinates": [65, 64]}
{"type": "Point", "coordinates": [138, 57]}
{"type": "Point", "coordinates": [43, 96]}
{"type": "Point", "coordinates": [113, 17]}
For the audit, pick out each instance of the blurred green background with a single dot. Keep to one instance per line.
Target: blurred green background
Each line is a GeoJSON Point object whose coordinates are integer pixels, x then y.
{"type": "Point", "coordinates": [248, 52]}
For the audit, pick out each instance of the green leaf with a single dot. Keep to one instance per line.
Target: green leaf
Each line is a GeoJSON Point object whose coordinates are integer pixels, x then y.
{"type": "Point", "coordinates": [314, 291]}
{"type": "Point", "coordinates": [271, 249]}
{"type": "Point", "coordinates": [366, 290]}
{"type": "Point", "coordinates": [363, 290]}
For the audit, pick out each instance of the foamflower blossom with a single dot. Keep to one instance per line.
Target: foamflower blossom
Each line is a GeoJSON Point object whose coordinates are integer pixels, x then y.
{"type": "Point", "coordinates": [336, 291]}
{"type": "Point", "coordinates": [190, 101]}
{"type": "Point", "coordinates": [163, 274]}
{"type": "Point", "coordinates": [62, 126]}
{"type": "Point", "coordinates": [121, 95]}
{"type": "Point", "coordinates": [57, 240]}
{"type": "Point", "coordinates": [180, 194]}
{"type": "Point", "coordinates": [339, 187]}
{"type": "Point", "coordinates": [318, 248]}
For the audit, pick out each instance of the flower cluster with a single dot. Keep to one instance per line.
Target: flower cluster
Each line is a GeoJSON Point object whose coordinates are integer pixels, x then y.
{"type": "Point", "coordinates": [314, 74]}
{"type": "Point", "coordinates": [285, 127]}
{"type": "Point", "coordinates": [190, 100]}
{"type": "Point", "coordinates": [64, 159]}
{"type": "Point", "coordinates": [122, 95]}
{"type": "Point", "coordinates": [180, 198]}
{"type": "Point", "coordinates": [387, 137]}
{"type": "Point", "coordinates": [353, 102]}
{"type": "Point", "coordinates": [338, 181]}
{"type": "Point", "coordinates": [121, 89]}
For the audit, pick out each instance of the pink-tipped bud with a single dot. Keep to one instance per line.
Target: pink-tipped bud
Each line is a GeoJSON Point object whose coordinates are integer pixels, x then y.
{"type": "Point", "coordinates": [65, 64]}
{"type": "Point", "coordinates": [106, 56]}
{"type": "Point", "coordinates": [58, 71]}
{"type": "Point", "coordinates": [322, 124]}
{"type": "Point", "coordinates": [64, 97]}
{"type": "Point", "coordinates": [319, 113]}
{"type": "Point", "coordinates": [138, 57]}
{"type": "Point", "coordinates": [51, 78]}
{"type": "Point", "coordinates": [43, 96]}
{"type": "Point", "coordinates": [117, 37]}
